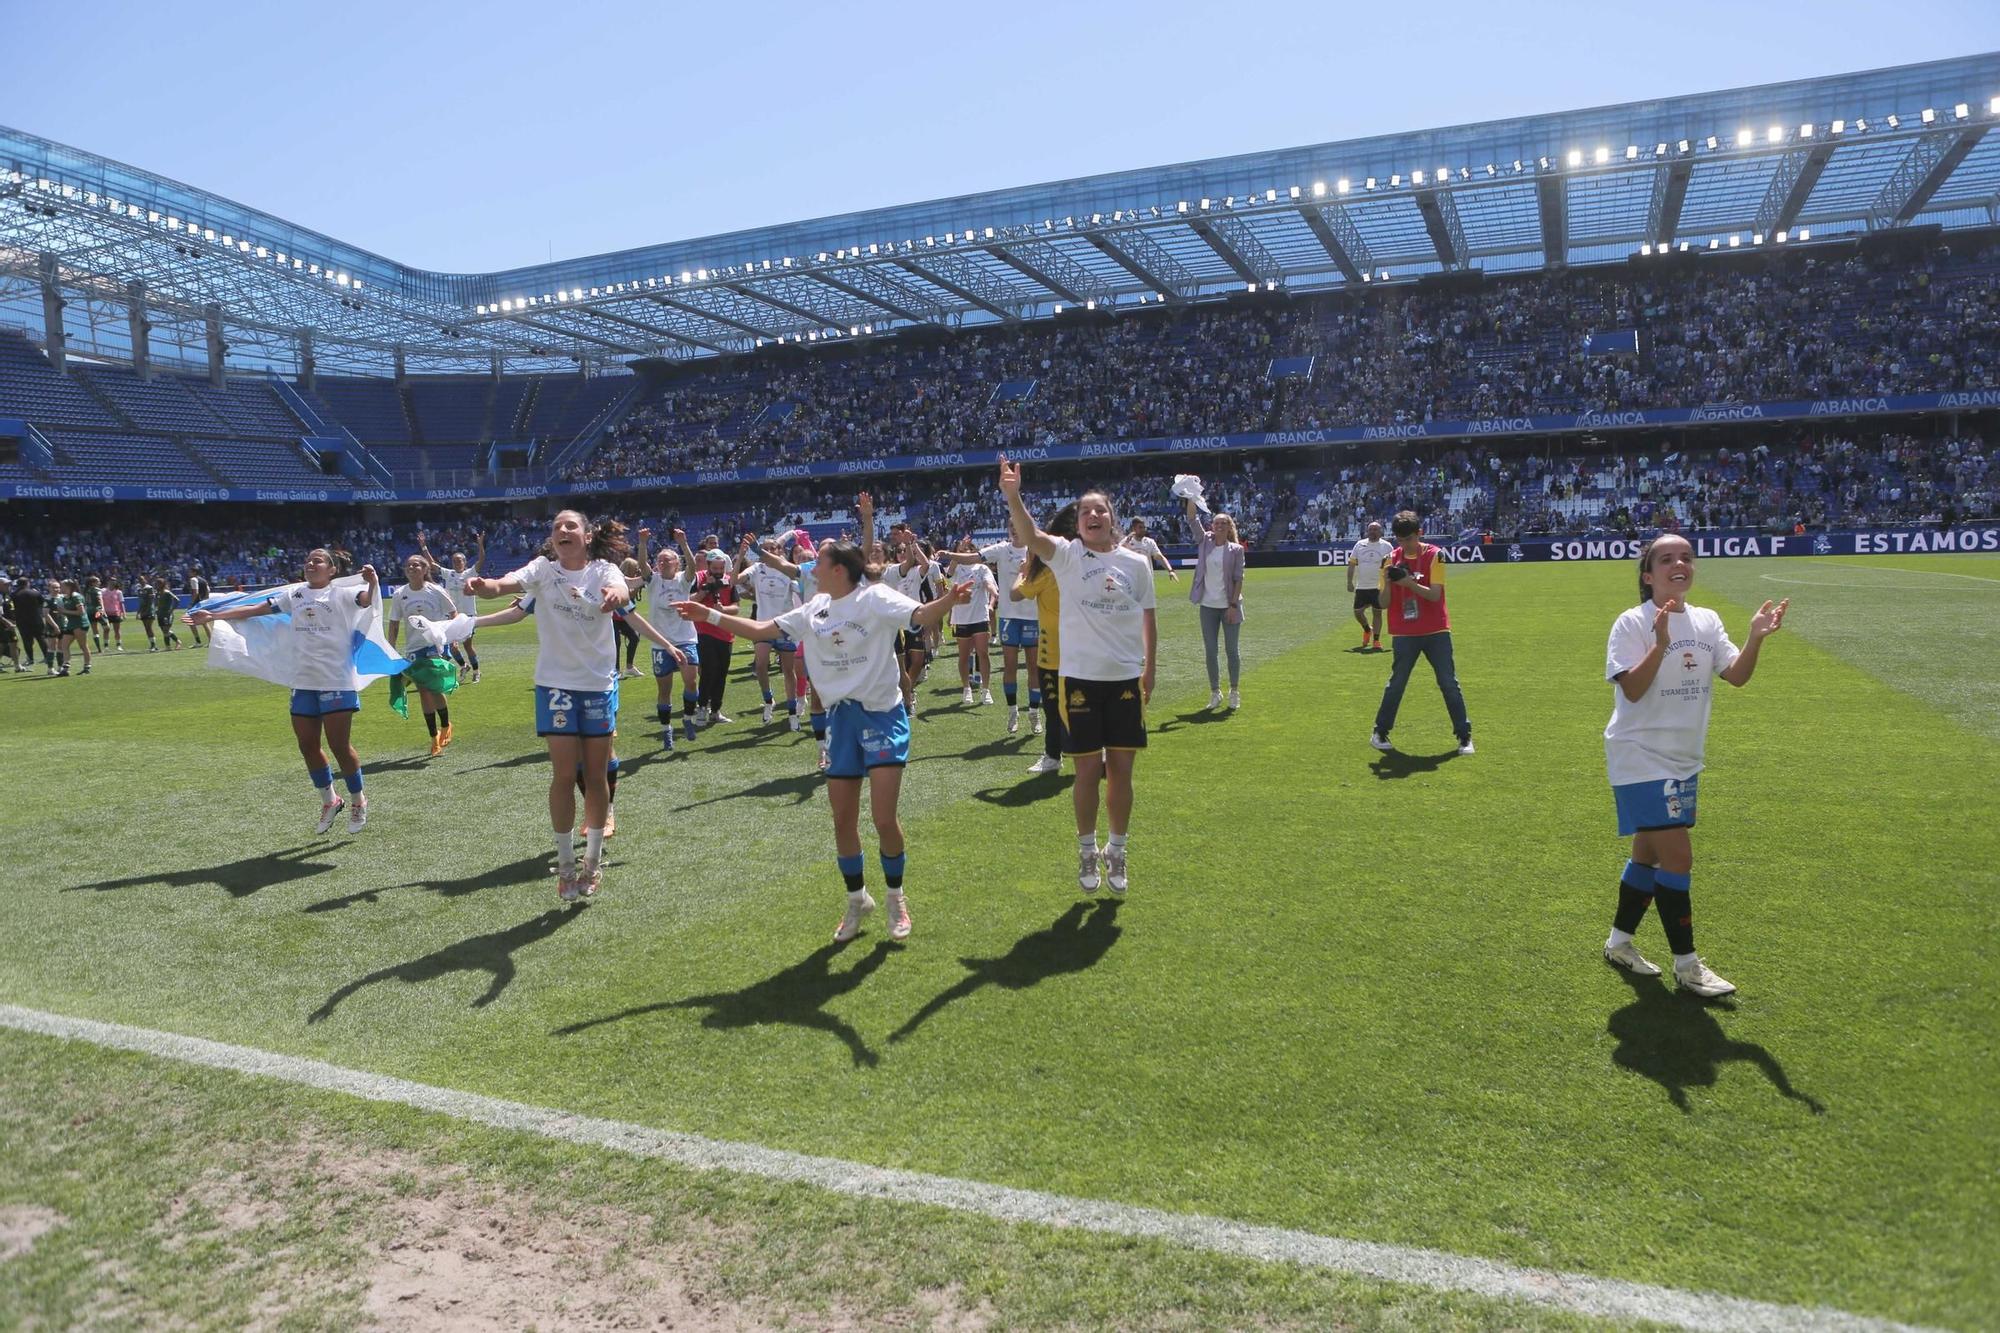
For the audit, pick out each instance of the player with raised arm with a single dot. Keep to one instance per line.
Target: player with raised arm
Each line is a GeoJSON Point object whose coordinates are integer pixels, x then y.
{"type": "Point", "coordinates": [1137, 538]}
{"type": "Point", "coordinates": [849, 632]}
{"type": "Point", "coordinates": [1364, 580]}
{"type": "Point", "coordinates": [672, 580]}
{"type": "Point", "coordinates": [971, 622]}
{"type": "Point", "coordinates": [775, 592]}
{"type": "Point", "coordinates": [1110, 643]}
{"type": "Point", "coordinates": [323, 622]}
{"type": "Point", "coordinates": [433, 673]}
{"type": "Point", "coordinates": [1020, 629]}
{"type": "Point", "coordinates": [1663, 659]}
{"type": "Point", "coordinates": [576, 678]}
{"type": "Point", "coordinates": [913, 568]}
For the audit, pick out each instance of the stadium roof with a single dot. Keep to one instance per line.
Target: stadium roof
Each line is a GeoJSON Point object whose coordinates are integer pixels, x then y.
{"type": "Point", "coordinates": [1785, 163]}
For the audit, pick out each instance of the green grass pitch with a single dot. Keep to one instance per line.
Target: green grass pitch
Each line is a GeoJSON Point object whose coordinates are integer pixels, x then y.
{"type": "Point", "coordinates": [1355, 994]}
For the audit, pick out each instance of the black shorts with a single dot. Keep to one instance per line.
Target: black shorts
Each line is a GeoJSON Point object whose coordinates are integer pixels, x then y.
{"type": "Point", "coordinates": [116, 620]}
{"type": "Point", "coordinates": [971, 631]}
{"type": "Point", "coordinates": [911, 641]}
{"type": "Point", "coordinates": [147, 619]}
{"type": "Point", "coordinates": [1102, 715]}
{"type": "Point", "coordinates": [1366, 597]}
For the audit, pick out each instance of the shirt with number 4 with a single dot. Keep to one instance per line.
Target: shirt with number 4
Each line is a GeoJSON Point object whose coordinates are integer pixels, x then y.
{"type": "Point", "coordinates": [578, 648]}
{"type": "Point", "coordinates": [1662, 733]}
{"type": "Point", "coordinates": [850, 644]}
{"type": "Point", "coordinates": [1105, 597]}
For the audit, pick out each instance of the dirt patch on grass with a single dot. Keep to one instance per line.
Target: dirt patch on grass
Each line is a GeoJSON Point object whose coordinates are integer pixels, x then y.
{"type": "Point", "coordinates": [425, 1246]}
{"type": "Point", "coordinates": [21, 1225]}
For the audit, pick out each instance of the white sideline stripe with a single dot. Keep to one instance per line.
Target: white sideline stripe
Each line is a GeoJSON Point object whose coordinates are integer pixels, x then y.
{"type": "Point", "coordinates": [1434, 1270]}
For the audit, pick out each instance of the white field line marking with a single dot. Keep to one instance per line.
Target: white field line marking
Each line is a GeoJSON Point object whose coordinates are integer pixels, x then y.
{"type": "Point", "coordinates": [1878, 569]}
{"type": "Point", "coordinates": [1434, 1270]}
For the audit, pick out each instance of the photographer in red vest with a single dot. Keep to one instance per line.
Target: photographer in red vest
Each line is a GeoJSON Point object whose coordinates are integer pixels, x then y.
{"type": "Point", "coordinates": [1413, 596]}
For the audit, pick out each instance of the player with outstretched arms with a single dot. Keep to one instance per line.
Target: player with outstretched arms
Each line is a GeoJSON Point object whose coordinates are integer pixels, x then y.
{"type": "Point", "coordinates": [849, 631]}
{"type": "Point", "coordinates": [323, 621]}
{"type": "Point", "coordinates": [1663, 659]}
{"type": "Point", "coordinates": [454, 580]}
{"type": "Point", "coordinates": [576, 678]}
{"type": "Point", "coordinates": [775, 593]}
{"type": "Point", "coordinates": [672, 580]}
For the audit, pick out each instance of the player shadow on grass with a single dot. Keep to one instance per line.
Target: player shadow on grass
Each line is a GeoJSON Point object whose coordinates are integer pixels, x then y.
{"type": "Point", "coordinates": [1033, 789]}
{"type": "Point", "coordinates": [1201, 717]}
{"type": "Point", "coordinates": [1674, 1040]}
{"type": "Point", "coordinates": [240, 878]}
{"type": "Point", "coordinates": [1394, 764]}
{"type": "Point", "coordinates": [1074, 942]}
{"type": "Point", "coordinates": [526, 870]}
{"type": "Point", "coordinates": [800, 787]}
{"type": "Point", "coordinates": [518, 761]}
{"type": "Point", "coordinates": [492, 953]}
{"type": "Point", "coordinates": [795, 997]}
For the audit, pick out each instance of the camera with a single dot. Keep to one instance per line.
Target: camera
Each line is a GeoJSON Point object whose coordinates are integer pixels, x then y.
{"type": "Point", "coordinates": [1396, 573]}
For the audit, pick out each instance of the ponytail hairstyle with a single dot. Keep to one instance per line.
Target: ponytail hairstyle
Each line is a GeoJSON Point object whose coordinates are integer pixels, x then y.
{"type": "Point", "coordinates": [1061, 524]}
{"type": "Point", "coordinates": [1646, 563]}
{"type": "Point", "coordinates": [848, 556]}
{"type": "Point", "coordinates": [341, 560]}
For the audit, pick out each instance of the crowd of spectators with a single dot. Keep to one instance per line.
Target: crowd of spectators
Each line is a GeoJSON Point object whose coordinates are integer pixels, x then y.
{"type": "Point", "coordinates": [1307, 497]}
{"type": "Point", "coordinates": [1773, 327]}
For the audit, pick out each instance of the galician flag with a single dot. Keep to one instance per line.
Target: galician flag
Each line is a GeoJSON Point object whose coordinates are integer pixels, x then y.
{"type": "Point", "coordinates": [262, 645]}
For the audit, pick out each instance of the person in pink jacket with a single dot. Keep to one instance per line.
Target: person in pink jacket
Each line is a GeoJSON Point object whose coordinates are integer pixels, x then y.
{"type": "Point", "coordinates": [114, 614]}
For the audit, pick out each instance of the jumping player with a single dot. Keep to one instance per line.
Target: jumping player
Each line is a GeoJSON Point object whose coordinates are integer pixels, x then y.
{"type": "Point", "coordinates": [775, 593]}
{"type": "Point", "coordinates": [672, 580]}
{"type": "Point", "coordinates": [576, 678]}
{"type": "Point", "coordinates": [433, 673]}
{"type": "Point", "coordinates": [1663, 659]}
{"type": "Point", "coordinates": [849, 631]}
{"type": "Point", "coordinates": [454, 581]}
{"type": "Point", "coordinates": [324, 620]}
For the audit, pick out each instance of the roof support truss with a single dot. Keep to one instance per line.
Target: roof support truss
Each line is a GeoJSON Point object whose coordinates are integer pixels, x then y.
{"type": "Point", "coordinates": [736, 314]}
{"type": "Point", "coordinates": [881, 291]}
{"type": "Point", "coordinates": [1341, 239]}
{"type": "Point", "coordinates": [1791, 185]}
{"type": "Point", "coordinates": [1929, 164]}
{"type": "Point", "coordinates": [1238, 247]}
{"type": "Point", "coordinates": [813, 317]}
{"type": "Point", "coordinates": [1555, 222]}
{"type": "Point", "coordinates": [664, 336]}
{"type": "Point", "coordinates": [1663, 211]}
{"type": "Point", "coordinates": [964, 279]}
{"type": "Point", "coordinates": [1145, 259]}
{"type": "Point", "coordinates": [1441, 221]}
{"type": "Point", "coordinates": [1054, 270]}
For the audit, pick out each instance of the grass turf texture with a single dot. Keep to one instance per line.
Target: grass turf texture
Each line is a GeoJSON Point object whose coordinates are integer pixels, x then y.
{"type": "Point", "coordinates": [1355, 994]}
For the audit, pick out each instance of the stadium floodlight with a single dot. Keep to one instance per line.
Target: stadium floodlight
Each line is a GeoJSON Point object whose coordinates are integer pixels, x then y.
{"type": "Point", "coordinates": [1744, 138]}
{"type": "Point", "coordinates": [1735, 241]}
{"type": "Point", "coordinates": [1756, 238]}
{"type": "Point", "coordinates": [1343, 185]}
{"type": "Point", "coordinates": [1601, 156]}
{"type": "Point", "coordinates": [1229, 201]}
{"type": "Point", "coordinates": [1806, 131]}
{"type": "Point", "coordinates": [1960, 111]}
{"type": "Point", "coordinates": [1443, 174]}
{"type": "Point", "coordinates": [989, 233]}
{"type": "Point", "coordinates": [1179, 207]}
{"type": "Point", "coordinates": [1992, 108]}
{"type": "Point", "coordinates": [1396, 181]}
{"type": "Point", "coordinates": [1781, 237]}
{"type": "Point", "coordinates": [1805, 233]}
{"type": "Point", "coordinates": [1929, 115]}
{"type": "Point", "coordinates": [1369, 183]}
{"type": "Point", "coordinates": [1838, 127]}
{"type": "Point", "coordinates": [1250, 287]}
{"type": "Point", "coordinates": [1492, 170]}
{"type": "Point", "coordinates": [701, 275]}
{"type": "Point", "coordinates": [1204, 205]}
{"type": "Point", "coordinates": [868, 328]}
{"type": "Point", "coordinates": [1684, 246]}
{"type": "Point", "coordinates": [1092, 305]}
{"type": "Point", "coordinates": [1575, 157]}
{"type": "Point", "coordinates": [1776, 134]}
{"type": "Point", "coordinates": [1631, 151]}
{"type": "Point", "coordinates": [1712, 144]}
{"type": "Point", "coordinates": [1714, 244]}
{"type": "Point", "coordinates": [1270, 196]}
{"type": "Point", "coordinates": [1059, 307]}
{"type": "Point", "coordinates": [1645, 247]}
{"type": "Point", "coordinates": [1659, 150]}
{"type": "Point", "coordinates": [1416, 178]}
{"type": "Point", "coordinates": [1295, 191]}
{"type": "Point", "coordinates": [479, 310]}
{"type": "Point", "coordinates": [1894, 123]}
{"type": "Point", "coordinates": [1319, 189]}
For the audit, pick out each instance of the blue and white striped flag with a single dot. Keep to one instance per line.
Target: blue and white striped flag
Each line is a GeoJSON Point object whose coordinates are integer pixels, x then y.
{"type": "Point", "coordinates": [262, 645]}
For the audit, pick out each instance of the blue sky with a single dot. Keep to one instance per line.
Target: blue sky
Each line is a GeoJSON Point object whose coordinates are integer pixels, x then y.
{"type": "Point", "coordinates": [477, 137]}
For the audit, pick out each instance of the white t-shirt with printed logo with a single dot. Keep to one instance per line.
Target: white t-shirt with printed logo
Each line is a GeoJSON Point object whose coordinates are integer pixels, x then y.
{"type": "Point", "coordinates": [850, 644]}
{"type": "Point", "coordinates": [578, 646]}
{"type": "Point", "coordinates": [323, 625]}
{"type": "Point", "coordinates": [1105, 597]}
{"type": "Point", "coordinates": [1007, 559]}
{"type": "Point", "coordinates": [1366, 561]}
{"type": "Point", "coordinates": [454, 583]}
{"type": "Point", "coordinates": [980, 609]}
{"type": "Point", "coordinates": [434, 602]}
{"type": "Point", "coordinates": [1662, 734]}
{"type": "Point", "coordinates": [775, 591]}
{"type": "Point", "coordinates": [909, 582]}
{"type": "Point", "coordinates": [661, 595]}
